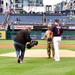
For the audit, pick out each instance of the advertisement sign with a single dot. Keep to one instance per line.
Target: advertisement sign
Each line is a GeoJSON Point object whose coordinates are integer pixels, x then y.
{"type": "Point", "coordinates": [68, 37]}
{"type": "Point", "coordinates": [71, 27]}
{"type": "Point", "coordinates": [2, 35]}
{"type": "Point", "coordinates": [21, 26]}
{"type": "Point", "coordinates": [37, 37]}
{"type": "Point", "coordinates": [42, 34]}
{"type": "Point", "coordinates": [65, 27]}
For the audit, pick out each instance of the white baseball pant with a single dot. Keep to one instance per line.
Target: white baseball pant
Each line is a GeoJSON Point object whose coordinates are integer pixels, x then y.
{"type": "Point", "coordinates": [56, 42]}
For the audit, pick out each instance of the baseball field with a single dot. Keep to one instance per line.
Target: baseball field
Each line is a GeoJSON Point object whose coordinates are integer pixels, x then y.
{"type": "Point", "coordinates": [35, 65]}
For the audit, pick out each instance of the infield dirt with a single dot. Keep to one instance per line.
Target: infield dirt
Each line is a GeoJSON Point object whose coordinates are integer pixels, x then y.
{"type": "Point", "coordinates": [39, 46]}
{"type": "Point", "coordinates": [38, 52]}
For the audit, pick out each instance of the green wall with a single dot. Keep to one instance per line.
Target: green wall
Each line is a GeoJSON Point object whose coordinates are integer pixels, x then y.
{"type": "Point", "coordinates": [37, 33]}
{"type": "Point", "coordinates": [69, 32]}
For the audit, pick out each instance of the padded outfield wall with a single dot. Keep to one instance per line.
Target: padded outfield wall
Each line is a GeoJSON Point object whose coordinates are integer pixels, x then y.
{"type": "Point", "coordinates": [38, 31]}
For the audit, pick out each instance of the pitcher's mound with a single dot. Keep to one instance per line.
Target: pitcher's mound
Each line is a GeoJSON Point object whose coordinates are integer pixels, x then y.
{"type": "Point", "coordinates": [41, 53]}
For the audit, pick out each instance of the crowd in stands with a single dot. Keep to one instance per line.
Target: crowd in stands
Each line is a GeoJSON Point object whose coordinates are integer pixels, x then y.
{"type": "Point", "coordinates": [33, 18]}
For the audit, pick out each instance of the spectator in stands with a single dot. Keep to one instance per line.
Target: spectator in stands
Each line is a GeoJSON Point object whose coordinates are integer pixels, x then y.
{"type": "Point", "coordinates": [49, 36]}
{"type": "Point", "coordinates": [22, 37]}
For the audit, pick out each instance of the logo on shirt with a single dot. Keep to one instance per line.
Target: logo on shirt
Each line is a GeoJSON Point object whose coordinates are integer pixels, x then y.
{"type": "Point", "coordinates": [58, 27]}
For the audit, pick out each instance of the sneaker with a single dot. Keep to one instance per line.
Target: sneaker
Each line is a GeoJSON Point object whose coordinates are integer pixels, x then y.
{"type": "Point", "coordinates": [19, 59]}
{"type": "Point", "coordinates": [57, 59]}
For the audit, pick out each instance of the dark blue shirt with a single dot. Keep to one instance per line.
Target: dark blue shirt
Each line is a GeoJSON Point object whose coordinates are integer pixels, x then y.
{"type": "Point", "coordinates": [57, 30]}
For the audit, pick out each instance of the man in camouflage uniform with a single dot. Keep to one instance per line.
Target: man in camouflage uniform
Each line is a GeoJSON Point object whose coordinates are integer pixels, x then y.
{"type": "Point", "coordinates": [49, 36]}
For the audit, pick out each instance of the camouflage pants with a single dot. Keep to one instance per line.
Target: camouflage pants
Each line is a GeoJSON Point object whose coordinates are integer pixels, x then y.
{"type": "Point", "coordinates": [50, 49]}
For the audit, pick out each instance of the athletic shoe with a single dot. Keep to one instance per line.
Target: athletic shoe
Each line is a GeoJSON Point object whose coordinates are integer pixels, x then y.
{"type": "Point", "coordinates": [57, 59]}
{"type": "Point", "coordinates": [19, 59]}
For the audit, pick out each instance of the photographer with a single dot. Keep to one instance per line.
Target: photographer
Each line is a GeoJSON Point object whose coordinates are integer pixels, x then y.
{"type": "Point", "coordinates": [22, 37]}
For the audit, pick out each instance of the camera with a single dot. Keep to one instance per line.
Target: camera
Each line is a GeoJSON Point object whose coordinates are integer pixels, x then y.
{"type": "Point", "coordinates": [31, 44]}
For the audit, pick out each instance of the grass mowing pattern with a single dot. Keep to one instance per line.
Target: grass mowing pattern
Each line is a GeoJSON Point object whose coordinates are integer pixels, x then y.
{"type": "Point", "coordinates": [67, 41]}
{"type": "Point", "coordinates": [39, 41]}
{"type": "Point", "coordinates": [6, 50]}
{"type": "Point", "coordinates": [6, 41]}
{"type": "Point", "coordinates": [37, 66]}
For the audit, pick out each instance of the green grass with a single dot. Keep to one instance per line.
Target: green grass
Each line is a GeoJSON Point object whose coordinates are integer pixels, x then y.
{"type": "Point", "coordinates": [6, 50]}
{"type": "Point", "coordinates": [37, 66]}
{"type": "Point", "coordinates": [62, 41]}
{"type": "Point", "coordinates": [72, 49]}
{"type": "Point", "coordinates": [6, 41]}
{"type": "Point", "coordinates": [39, 41]}
{"type": "Point", "coordinates": [68, 42]}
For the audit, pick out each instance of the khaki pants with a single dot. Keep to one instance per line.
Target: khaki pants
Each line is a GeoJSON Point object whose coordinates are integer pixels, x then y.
{"type": "Point", "coordinates": [50, 48]}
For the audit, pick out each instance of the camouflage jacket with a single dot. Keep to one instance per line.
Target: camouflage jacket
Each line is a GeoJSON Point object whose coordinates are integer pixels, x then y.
{"type": "Point", "coordinates": [49, 36]}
